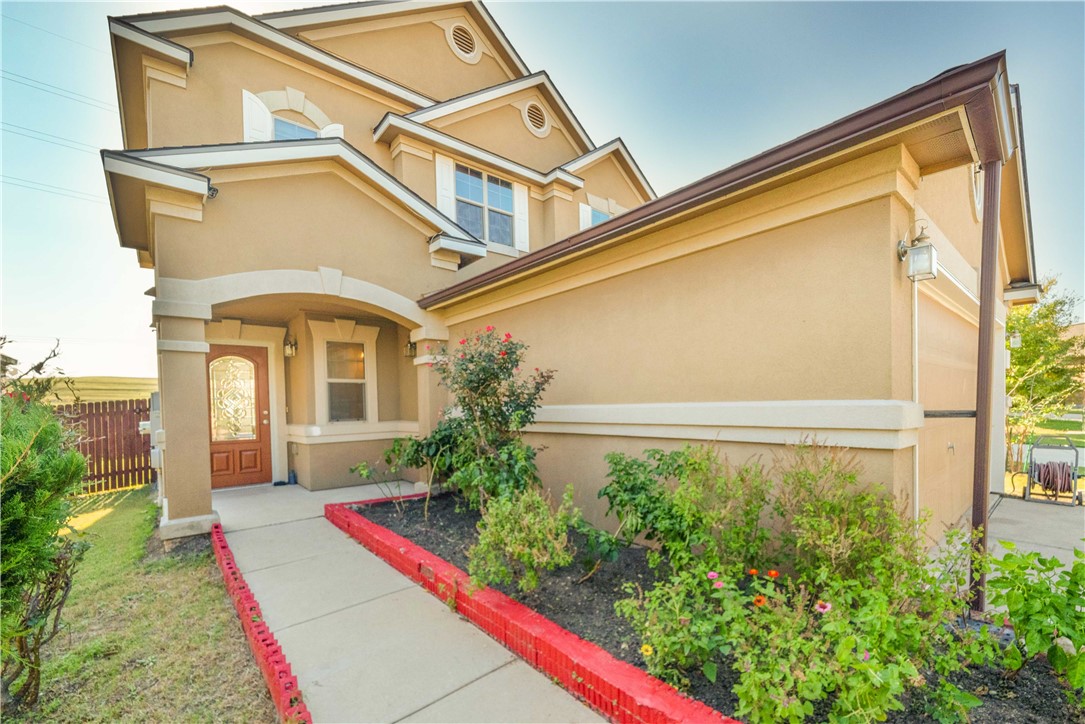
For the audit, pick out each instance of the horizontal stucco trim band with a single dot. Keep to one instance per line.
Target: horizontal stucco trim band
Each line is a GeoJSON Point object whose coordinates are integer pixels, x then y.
{"type": "Point", "coordinates": [871, 424]}
{"type": "Point", "coordinates": [175, 345]}
{"type": "Point", "coordinates": [349, 432]}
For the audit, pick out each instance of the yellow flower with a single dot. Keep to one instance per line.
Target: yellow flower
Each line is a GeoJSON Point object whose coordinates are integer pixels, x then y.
{"type": "Point", "coordinates": [647, 650]}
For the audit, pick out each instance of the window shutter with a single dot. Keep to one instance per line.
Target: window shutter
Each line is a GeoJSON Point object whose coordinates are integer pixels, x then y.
{"type": "Point", "coordinates": [256, 117]}
{"type": "Point", "coordinates": [521, 230]}
{"type": "Point", "coordinates": [585, 216]}
{"type": "Point", "coordinates": [332, 130]}
{"type": "Point", "coordinates": [446, 197]}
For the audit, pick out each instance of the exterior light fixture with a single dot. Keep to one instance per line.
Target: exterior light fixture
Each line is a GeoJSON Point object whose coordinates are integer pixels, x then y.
{"type": "Point", "coordinates": [1015, 340]}
{"type": "Point", "coordinates": [290, 347]}
{"type": "Point", "coordinates": [410, 349]}
{"type": "Point", "coordinates": [921, 255]}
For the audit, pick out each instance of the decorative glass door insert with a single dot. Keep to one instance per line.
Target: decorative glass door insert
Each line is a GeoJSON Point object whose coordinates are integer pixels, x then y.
{"type": "Point", "coordinates": [233, 399]}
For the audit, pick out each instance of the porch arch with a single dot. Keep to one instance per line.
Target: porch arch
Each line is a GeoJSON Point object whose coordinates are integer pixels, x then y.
{"type": "Point", "coordinates": [193, 298]}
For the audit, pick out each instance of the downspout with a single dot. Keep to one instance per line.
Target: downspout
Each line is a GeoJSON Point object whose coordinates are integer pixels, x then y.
{"type": "Point", "coordinates": [992, 187]}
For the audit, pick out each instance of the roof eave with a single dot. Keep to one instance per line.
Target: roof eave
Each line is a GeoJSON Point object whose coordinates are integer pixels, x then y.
{"type": "Point", "coordinates": [975, 86]}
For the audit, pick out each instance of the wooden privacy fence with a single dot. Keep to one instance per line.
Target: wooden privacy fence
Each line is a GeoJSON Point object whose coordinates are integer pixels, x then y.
{"type": "Point", "coordinates": [117, 455]}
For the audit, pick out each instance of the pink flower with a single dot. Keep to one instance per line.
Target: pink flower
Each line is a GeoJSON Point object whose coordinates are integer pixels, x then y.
{"type": "Point", "coordinates": [503, 353]}
{"type": "Point", "coordinates": [823, 607]}
{"type": "Point", "coordinates": [718, 584]}
{"type": "Point", "coordinates": [463, 356]}
{"type": "Point", "coordinates": [866, 656]}
{"type": "Point", "coordinates": [429, 364]}
{"type": "Point", "coordinates": [463, 341]}
{"type": "Point", "coordinates": [428, 348]}
{"type": "Point", "coordinates": [489, 328]}
{"type": "Point", "coordinates": [712, 575]}
{"type": "Point", "coordinates": [508, 336]}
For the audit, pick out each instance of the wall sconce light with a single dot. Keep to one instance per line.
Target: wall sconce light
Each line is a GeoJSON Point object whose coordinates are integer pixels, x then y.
{"type": "Point", "coordinates": [921, 255]}
{"type": "Point", "coordinates": [290, 347]}
{"type": "Point", "coordinates": [1015, 340]}
{"type": "Point", "coordinates": [410, 349]}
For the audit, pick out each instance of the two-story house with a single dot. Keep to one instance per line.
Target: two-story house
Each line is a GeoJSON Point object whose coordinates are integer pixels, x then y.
{"type": "Point", "coordinates": [328, 195]}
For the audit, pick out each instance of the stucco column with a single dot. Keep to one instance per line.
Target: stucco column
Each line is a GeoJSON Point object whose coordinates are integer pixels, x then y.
{"type": "Point", "coordinates": [182, 361]}
{"type": "Point", "coordinates": [432, 398]}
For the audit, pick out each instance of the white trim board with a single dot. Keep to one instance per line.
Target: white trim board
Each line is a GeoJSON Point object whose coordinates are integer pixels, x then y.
{"type": "Point", "coordinates": [218, 17]}
{"type": "Point", "coordinates": [246, 154]}
{"type": "Point", "coordinates": [392, 126]}
{"type": "Point", "coordinates": [345, 432]}
{"type": "Point", "coordinates": [871, 424]}
{"type": "Point", "coordinates": [150, 41]}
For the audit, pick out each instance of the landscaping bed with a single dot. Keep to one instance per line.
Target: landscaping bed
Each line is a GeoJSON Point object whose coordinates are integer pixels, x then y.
{"type": "Point", "coordinates": [587, 610]}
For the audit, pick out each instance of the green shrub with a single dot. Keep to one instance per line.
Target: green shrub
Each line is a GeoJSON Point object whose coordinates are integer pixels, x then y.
{"type": "Point", "coordinates": [859, 611]}
{"type": "Point", "coordinates": [39, 473]}
{"type": "Point", "coordinates": [1044, 602]}
{"type": "Point", "coordinates": [519, 537]}
{"type": "Point", "coordinates": [692, 504]}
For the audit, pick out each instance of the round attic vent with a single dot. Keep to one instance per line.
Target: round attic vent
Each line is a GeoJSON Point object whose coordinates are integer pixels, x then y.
{"type": "Point", "coordinates": [464, 40]}
{"type": "Point", "coordinates": [536, 116]}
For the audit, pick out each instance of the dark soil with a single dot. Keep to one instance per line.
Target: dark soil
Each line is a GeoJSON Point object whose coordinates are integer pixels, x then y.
{"type": "Point", "coordinates": [587, 610]}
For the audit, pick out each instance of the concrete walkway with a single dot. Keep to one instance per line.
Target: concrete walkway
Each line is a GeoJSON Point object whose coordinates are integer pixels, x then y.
{"type": "Point", "coordinates": [367, 644]}
{"type": "Point", "coordinates": [1051, 530]}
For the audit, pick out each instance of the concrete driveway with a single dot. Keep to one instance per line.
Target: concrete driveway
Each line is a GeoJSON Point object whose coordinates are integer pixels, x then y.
{"type": "Point", "coordinates": [1051, 530]}
{"type": "Point", "coordinates": [367, 644]}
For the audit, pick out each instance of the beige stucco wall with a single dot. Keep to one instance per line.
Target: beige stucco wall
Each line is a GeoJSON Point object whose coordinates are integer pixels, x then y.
{"type": "Point", "coordinates": [775, 316]}
{"type": "Point", "coordinates": [608, 180]}
{"type": "Point", "coordinates": [209, 109]}
{"type": "Point", "coordinates": [415, 55]}
{"type": "Point", "coordinates": [327, 465]}
{"type": "Point", "coordinates": [322, 218]}
{"type": "Point", "coordinates": [947, 197]}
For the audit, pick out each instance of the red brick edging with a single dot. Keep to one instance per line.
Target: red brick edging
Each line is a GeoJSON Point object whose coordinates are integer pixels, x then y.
{"type": "Point", "coordinates": [281, 683]}
{"type": "Point", "coordinates": [616, 689]}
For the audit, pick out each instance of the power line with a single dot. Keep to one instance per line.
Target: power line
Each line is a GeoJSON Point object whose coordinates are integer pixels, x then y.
{"type": "Point", "coordinates": [55, 190]}
{"type": "Point", "coordinates": [58, 35]}
{"type": "Point", "coordinates": [90, 146]}
{"type": "Point", "coordinates": [60, 92]}
{"type": "Point", "coordinates": [46, 140]}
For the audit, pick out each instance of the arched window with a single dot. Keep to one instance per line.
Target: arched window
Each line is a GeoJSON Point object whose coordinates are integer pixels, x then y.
{"type": "Point", "coordinates": [262, 124]}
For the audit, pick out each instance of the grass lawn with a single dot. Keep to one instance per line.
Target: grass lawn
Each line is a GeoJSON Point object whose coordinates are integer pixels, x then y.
{"type": "Point", "coordinates": [1074, 429]}
{"type": "Point", "coordinates": [148, 637]}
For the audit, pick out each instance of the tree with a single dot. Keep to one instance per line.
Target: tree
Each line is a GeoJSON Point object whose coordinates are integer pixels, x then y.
{"type": "Point", "coordinates": [40, 471]}
{"type": "Point", "coordinates": [1047, 372]}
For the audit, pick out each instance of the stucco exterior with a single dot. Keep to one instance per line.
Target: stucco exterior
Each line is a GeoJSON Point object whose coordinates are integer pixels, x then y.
{"type": "Point", "coordinates": [291, 179]}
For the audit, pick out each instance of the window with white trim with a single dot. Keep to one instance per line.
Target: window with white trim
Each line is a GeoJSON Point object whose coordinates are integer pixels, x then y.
{"type": "Point", "coordinates": [346, 381]}
{"type": "Point", "coordinates": [484, 205]}
{"type": "Point", "coordinates": [598, 210]}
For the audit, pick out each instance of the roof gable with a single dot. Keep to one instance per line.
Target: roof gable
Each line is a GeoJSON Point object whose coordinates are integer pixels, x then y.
{"type": "Point", "coordinates": [298, 21]}
{"type": "Point", "coordinates": [453, 110]}
{"type": "Point", "coordinates": [421, 50]}
{"type": "Point", "coordinates": [617, 151]}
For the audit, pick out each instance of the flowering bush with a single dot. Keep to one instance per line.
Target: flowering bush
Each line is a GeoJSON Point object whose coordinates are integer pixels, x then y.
{"type": "Point", "coordinates": [858, 613]}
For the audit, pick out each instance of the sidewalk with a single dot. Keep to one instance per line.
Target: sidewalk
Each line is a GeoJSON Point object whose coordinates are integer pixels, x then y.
{"type": "Point", "coordinates": [366, 644]}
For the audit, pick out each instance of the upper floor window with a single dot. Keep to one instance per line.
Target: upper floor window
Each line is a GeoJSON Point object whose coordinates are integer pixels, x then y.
{"type": "Point", "coordinates": [289, 131]}
{"type": "Point", "coordinates": [598, 217]}
{"type": "Point", "coordinates": [484, 205]}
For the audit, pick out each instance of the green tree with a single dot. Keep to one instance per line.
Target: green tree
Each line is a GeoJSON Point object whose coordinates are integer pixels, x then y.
{"type": "Point", "coordinates": [1047, 372]}
{"type": "Point", "coordinates": [40, 471]}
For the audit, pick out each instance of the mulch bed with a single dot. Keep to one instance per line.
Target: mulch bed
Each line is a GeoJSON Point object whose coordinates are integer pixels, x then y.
{"type": "Point", "coordinates": [587, 610]}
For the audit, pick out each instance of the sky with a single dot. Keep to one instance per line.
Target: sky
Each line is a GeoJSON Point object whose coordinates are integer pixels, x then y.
{"type": "Point", "coordinates": [690, 87]}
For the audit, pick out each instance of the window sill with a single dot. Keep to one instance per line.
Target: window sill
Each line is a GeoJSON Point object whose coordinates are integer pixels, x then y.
{"type": "Point", "coordinates": [502, 249]}
{"type": "Point", "coordinates": [350, 431]}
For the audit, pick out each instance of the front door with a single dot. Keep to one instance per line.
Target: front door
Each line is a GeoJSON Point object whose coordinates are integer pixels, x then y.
{"type": "Point", "coordinates": [240, 419]}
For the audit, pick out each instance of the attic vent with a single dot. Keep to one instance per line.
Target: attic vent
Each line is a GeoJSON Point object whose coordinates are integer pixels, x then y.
{"type": "Point", "coordinates": [464, 40]}
{"type": "Point", "coordinates": [536, 116]}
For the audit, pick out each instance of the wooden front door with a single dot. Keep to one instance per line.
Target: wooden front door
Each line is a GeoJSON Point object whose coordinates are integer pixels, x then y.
{"type": "Point", "coordinates": [240, 415]}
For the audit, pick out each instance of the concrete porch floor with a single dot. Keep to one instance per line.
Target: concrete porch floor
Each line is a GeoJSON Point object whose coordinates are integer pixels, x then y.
{"type": "Point", "coordinates": [366, 644]}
